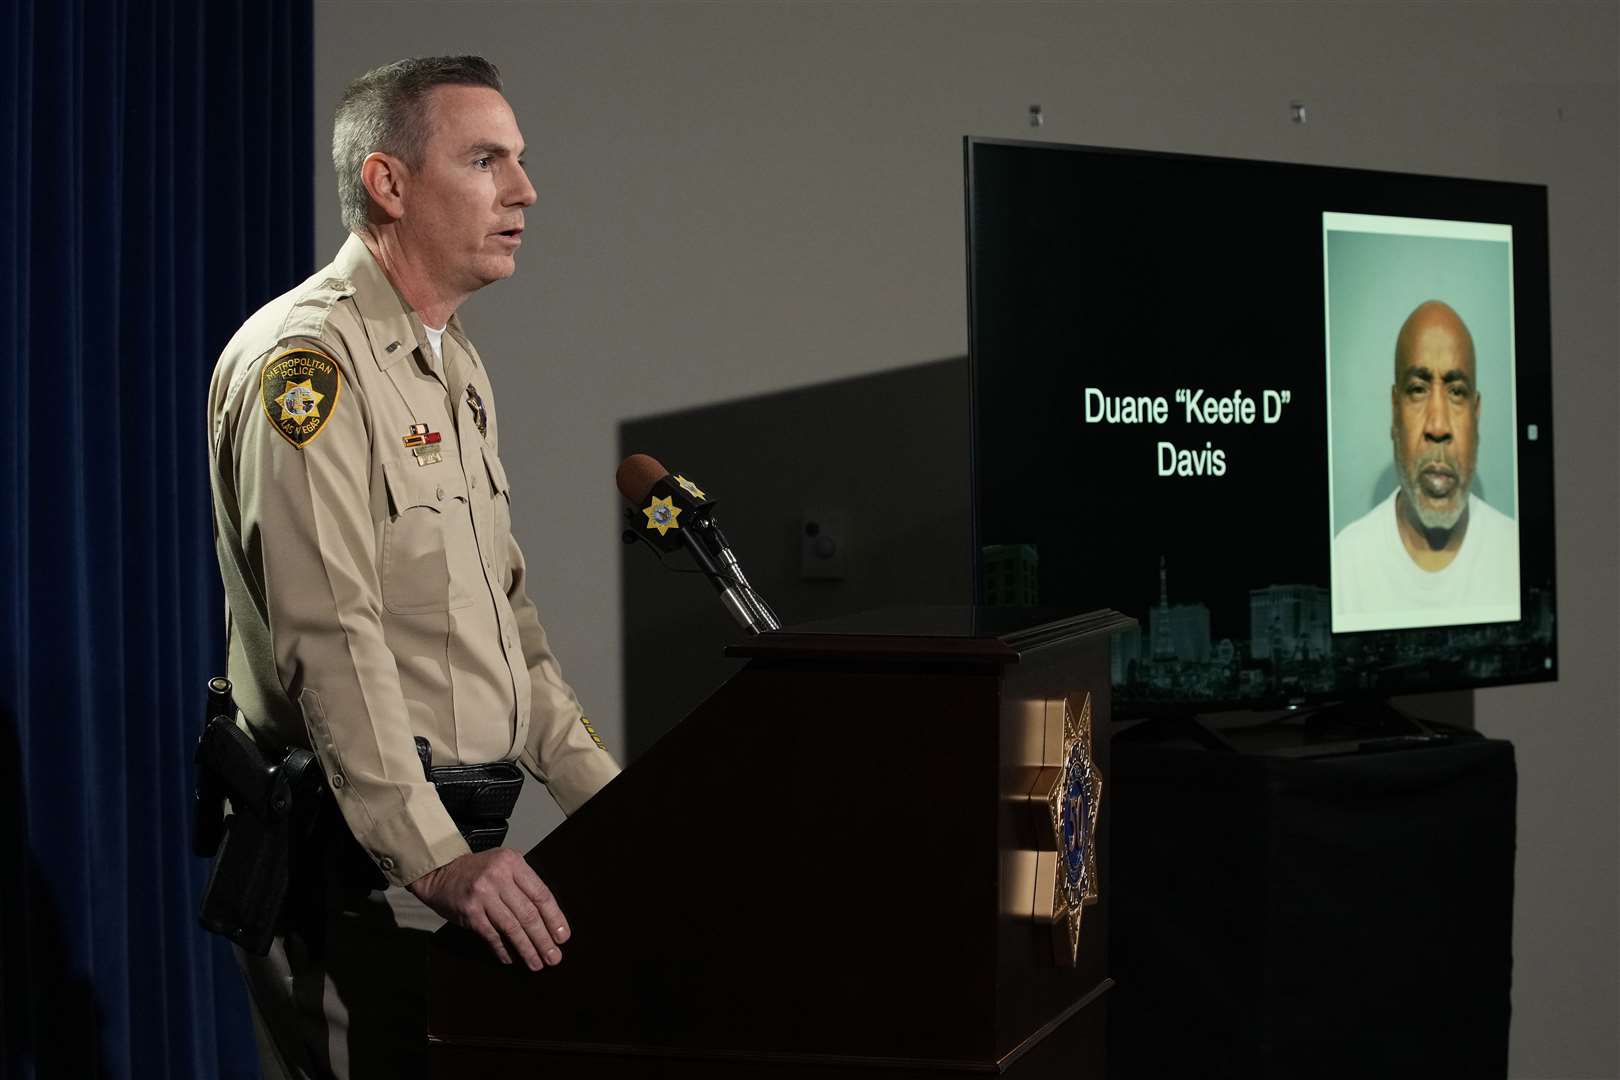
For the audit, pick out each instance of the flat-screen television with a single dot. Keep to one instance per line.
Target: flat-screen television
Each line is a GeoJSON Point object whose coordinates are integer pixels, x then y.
{"type": "Point", "coordinates": [1296, 420]}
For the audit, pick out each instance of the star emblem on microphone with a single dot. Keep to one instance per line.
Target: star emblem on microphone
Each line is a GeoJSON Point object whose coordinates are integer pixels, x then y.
{"type": "Point", "coordinates": [690, 488]}
{"type": "Point", "coordinates": [661, 514]}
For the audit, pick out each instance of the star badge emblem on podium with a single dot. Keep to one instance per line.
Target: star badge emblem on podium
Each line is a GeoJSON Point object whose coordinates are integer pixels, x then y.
{"type": "Point", "coordinates": [1072, 805]}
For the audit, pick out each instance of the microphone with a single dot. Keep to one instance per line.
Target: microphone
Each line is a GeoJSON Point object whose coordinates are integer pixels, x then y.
{"type": "Point", "coordinates": [670, 511]}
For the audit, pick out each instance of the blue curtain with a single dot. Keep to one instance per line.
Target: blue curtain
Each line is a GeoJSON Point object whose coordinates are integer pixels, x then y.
{"type": "Point", "coordinates": [157, 164]}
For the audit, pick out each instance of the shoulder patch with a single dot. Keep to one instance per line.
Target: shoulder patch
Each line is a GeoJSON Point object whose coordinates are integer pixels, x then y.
{"type": "Point", "coordinates": [299, 390]}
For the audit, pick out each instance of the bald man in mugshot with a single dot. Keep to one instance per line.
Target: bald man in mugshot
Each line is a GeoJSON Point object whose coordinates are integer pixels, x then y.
{"type": "Point", "coordinates": [1432, 553]}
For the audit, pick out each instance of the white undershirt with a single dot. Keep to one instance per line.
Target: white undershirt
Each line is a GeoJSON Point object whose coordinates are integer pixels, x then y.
{"type": "Point", "coordinates": [435, 339]}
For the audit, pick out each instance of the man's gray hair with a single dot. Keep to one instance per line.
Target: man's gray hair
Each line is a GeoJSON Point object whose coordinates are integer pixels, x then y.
{"type": "Point", "coordinates": [386, 110]}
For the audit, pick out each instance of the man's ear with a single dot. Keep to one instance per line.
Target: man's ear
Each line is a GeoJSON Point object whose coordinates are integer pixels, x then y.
{"type": "Point", "coordinates": [384, 177]}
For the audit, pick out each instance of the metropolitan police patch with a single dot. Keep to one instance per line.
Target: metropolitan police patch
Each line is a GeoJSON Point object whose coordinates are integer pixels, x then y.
{"type": "Point", "coordinates": [299, 390]}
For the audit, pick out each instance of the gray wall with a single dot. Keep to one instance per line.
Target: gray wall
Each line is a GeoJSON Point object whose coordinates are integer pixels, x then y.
{"type": "Point", "coordinates": [742, 198]}
{"type": "Point", "coordinates": [879, 461]}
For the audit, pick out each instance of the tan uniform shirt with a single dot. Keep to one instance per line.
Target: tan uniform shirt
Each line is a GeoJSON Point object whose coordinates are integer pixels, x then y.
{"type": "Point", "coordinates": [374, 591]}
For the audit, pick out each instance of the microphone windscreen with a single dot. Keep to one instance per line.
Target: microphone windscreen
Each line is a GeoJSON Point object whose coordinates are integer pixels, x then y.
{"type": "Point", "coordinates": [636, 476]}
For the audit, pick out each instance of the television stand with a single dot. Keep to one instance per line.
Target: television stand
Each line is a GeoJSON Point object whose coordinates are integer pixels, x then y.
{"type": "Point", "coordinates": [1325, 894]}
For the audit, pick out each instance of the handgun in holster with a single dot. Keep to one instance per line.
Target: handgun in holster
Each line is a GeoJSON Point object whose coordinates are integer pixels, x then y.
{"type": "Point", "coordinates": [254, 817]}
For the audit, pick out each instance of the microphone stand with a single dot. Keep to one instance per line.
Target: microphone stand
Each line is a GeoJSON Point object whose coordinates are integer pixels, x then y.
{"type": "Point", "coordinates": [713, 556]}
{"type": "Point", "coordinates": [761, 618]}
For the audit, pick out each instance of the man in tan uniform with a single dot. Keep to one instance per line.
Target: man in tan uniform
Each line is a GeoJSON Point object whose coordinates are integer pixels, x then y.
{"type": "Point", "coordinates": [375, 591]}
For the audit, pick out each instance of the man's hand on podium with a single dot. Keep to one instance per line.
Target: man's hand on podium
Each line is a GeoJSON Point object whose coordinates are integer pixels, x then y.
{"type": "Point", "coordinates": [496, 895]}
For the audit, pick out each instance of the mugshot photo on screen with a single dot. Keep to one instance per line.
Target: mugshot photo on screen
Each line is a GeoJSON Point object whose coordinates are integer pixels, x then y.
{"type": "Point", "coordinates": [1422, 454]}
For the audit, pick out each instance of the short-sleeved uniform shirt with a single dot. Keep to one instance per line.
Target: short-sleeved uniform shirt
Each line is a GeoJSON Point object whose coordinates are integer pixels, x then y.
{"type": "Point", "coordinates": [374, 590]}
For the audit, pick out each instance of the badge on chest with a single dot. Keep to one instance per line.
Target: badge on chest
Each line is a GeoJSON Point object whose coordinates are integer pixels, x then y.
{"type": "Point", "coordinates": [479, 414]}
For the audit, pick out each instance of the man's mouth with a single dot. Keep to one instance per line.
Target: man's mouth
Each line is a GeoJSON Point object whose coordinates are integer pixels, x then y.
{"type": "Point", "coordinates": [1437, 481]}
{"type": "Point", "coordinates": [511, 234]}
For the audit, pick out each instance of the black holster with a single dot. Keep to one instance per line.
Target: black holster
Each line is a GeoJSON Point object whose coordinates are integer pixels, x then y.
{"type": "Point", "coordinates": [273, 811]}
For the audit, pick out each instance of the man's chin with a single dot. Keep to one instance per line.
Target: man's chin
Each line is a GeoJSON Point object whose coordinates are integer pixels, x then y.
{"type": "Point", "coordinates": [1434, 513]}
{"type": "Point", "coordinates": [497, 268]}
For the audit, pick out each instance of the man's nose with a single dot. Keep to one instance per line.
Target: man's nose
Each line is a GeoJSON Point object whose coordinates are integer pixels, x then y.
{"type": "Point", "coordinates": [522, 192]}
{"type": "Point", "coordinates": [1437, 419]}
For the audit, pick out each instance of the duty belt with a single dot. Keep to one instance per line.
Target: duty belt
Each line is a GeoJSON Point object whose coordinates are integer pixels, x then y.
{"type": "Point", "coordinates": [282, 817]}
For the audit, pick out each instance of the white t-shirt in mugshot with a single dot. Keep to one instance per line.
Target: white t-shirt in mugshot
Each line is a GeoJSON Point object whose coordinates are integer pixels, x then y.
{"type": "Point", "coordinates": [1377, 586]}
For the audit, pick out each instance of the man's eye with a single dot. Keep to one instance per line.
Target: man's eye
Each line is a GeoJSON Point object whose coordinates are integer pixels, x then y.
{"type": "Point", "coordinates": [1417, 390]}
{"type": "Point", "coordinates": [483, 162]}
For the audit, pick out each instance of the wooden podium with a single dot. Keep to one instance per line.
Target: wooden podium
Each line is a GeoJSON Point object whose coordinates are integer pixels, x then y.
{"type": "Point", "coordinates": [843, 864]}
